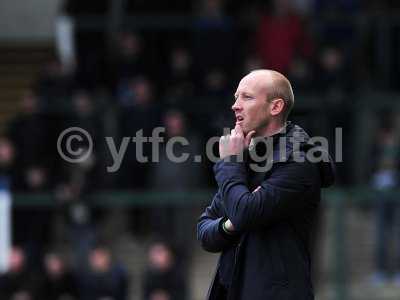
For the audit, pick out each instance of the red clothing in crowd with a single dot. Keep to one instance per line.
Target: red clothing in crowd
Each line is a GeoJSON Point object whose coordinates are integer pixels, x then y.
{"type": "Point", "coordinates": [280, 39]}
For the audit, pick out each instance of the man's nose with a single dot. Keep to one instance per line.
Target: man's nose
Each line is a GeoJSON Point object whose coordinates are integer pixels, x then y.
{"type": "Point", "coordinates": [236, 106]}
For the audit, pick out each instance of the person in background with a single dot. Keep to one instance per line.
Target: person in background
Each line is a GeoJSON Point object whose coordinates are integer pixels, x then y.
{"type": "Point", "coordinates": [57, 282]}
{"type": "Point", "coordinates": [139, 114]}
{"type": "Point", "coordinates": [130, 59]}
{"type": "Point", "coordinates": [179, 84]}
{"type": "Point", "coordinates": [385, 180]}
{"type": "Point", "coordinates": [7, 155]}
{"type": "Point", "coordinates": [54, 85]}
{"type": "Point", "coordinates": [282, 42]}
{"type": "Point", "coordinates": [105, 279]}
{"type": "Point", "coordinates": [163, 280]}
{"type": "Point", "coordinates": [169, 176]}
{"type": "Point", "coordinates": [213, 38]}
{"type": "Point", "coordinates": [30, 173]}
{"type": "Point", "coordinates": [28, 133]}
{"type": "Point", "coordinates": [18, 283]}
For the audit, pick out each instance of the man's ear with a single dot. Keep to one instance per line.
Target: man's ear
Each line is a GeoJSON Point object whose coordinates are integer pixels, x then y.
{"type": "Point", "coordinates": [277, 106]}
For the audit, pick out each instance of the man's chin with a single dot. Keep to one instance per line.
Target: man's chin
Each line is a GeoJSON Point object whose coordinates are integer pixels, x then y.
{"type": "Point", "coordinates": [246, 130]}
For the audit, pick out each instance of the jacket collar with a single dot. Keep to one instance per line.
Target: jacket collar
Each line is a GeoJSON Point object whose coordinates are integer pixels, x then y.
{"type": "Point", "coordinates": [278, 147]}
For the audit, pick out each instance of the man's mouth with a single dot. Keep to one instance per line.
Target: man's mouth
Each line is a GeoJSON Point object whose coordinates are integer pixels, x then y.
{"type": "Point", "coordinates": [239, 119]}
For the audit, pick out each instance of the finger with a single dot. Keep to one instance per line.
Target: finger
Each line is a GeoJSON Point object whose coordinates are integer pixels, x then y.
{"type": "Point", "coordinates": [226, 131]}
{"type": "Point", "coordinates": [239, 130]}
{"type": "Point", "coordinates": [233, 132]}
{"type": "Point", "coordinates": [224, 138]}
{"type": "Point", "coordinates": [249, 136]}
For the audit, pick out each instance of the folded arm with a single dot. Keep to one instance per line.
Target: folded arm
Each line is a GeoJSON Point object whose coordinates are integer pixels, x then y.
{"type": "Point", "coordinates": [281, 195]}
{"type": "Point", "coordinates": [209, 227]}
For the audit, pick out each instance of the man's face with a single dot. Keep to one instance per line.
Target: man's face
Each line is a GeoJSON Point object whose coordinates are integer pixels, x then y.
{"type": "Point", "coordinates": [251, 108]}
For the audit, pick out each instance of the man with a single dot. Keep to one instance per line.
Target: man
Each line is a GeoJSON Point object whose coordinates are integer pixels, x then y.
{"type": "Point", "coordinates": [262, 215]}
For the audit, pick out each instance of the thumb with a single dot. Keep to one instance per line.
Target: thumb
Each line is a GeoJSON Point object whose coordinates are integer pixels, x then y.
{"type": "Point", "coordinates": [249, 136]}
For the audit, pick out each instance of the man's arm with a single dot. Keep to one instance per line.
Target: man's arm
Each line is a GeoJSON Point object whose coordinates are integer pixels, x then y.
{"type": "Point", "coordinates": [209, 228]}
{"type": "Point", "coordinates": [281, 195]}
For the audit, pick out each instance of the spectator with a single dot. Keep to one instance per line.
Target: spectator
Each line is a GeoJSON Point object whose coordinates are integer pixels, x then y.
{"type": "Point", "coordinates": [163, 279]}
{"type": "Point", "coordinates": [139, 112]}
{"type": "Point", "coordinates": [71, 196]}
{"type": "Point", "coordinates": [139, 115]}
{"type": "Point", "coordinates": [282, 42]}
{"type": "Point", "coordinates": [170, 160]}
{"type": "Point", "coordinates": [57, 282]}
{"type": "Point", "coordinates": [54, 85]}
{"type": "Point", "coordinates": [29, 135]}
{"type": "Point", "coordinates": [7, 155]}
{"type": "Point", "coordinates": [28, 132]}
{"type": "Point", "coordinates": [105, 279]}
{"type": "Point", "coordinates": [213, 38]}
{"type": "Point", "coordinates": [80, 179]}
{"type": "Point", "coordinates": [385, 180]}
{"type": "Point", "coordinates": [215, 95]}
{"type": "Point", "coordinates": [18, 283]}
{"type": "Point", "coordinates": [179, 84]}
{"type": "Point", "coordinates": [87, 116]}
{"type": "Point", "coordinates": [130, 59]}
{"type": "Point", "coordinates": [171, 174]}
{"type": "Point", "coordinates": [6, 159]}
{"type": "Point", "coordinates": [332, 76]}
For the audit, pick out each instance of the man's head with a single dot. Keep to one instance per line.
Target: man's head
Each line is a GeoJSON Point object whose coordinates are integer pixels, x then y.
{"type": "Point", "coordinates": [263, 101]}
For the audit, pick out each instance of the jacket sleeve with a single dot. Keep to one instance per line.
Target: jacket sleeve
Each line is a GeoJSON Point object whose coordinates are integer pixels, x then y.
{"type": "Point", "coordinates": [281, 195]}
{"type": "Point", "coordinates": [209, 228]}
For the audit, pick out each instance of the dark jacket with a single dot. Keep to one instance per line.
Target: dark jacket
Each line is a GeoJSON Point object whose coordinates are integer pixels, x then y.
{"type": "Point", "coordinates": [171, 281]}
{"type": "Point", "coordinates": [272, 213]}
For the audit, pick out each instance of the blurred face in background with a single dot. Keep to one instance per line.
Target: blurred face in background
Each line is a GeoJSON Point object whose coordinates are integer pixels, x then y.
{"type": "Point", "coordinates": [35, 177]}
{"type": "Point", "coordinates": [160, 257]}
{"type": "Point", "coordinates": [142, 91]}
{"type": "Point", "coordinates": [215, 80]}
{"type": "Point", "coordinates": [160, 295]}
{"type": "Point", "coordinates": [331, 59]}
{"type": "Point", "coordinates": [129, 44]}
{"type": "Point", "coordinates": [100, 260]}
{"type": "Point", "coordinates": [174, 123]}
{"type": "Point", "coordinates": [6, 152]}
{"type": "Point", "coordinates": [54, 265]}
{"type": "Point", "coordinates": [17, 260]}
{"type": "Point", "coordinates": [180, 60]}
{"type": "Point", "coordinates": [29, 103]}
{"type": "Point", "coordinates": [83, 104]}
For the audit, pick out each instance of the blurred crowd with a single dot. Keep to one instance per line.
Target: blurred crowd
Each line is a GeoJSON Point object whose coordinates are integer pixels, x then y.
{"type": "Point", "coordinates": [182, 79]}
{"type": "Point", "coordinates": [100, 277]}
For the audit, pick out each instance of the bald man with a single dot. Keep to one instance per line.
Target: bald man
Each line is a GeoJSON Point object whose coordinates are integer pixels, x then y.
{"type": "Point", "coordinates": [261, 218]}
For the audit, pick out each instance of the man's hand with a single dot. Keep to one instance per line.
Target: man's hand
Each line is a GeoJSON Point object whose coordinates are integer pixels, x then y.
{"type": "Point", "coordinates": [228, 226]}
{"type": "Point", "coordinates": [234, 143]}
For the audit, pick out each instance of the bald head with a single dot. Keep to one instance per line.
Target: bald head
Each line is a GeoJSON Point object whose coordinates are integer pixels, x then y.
{"type": "Point", "coordinates": [276, 86]}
